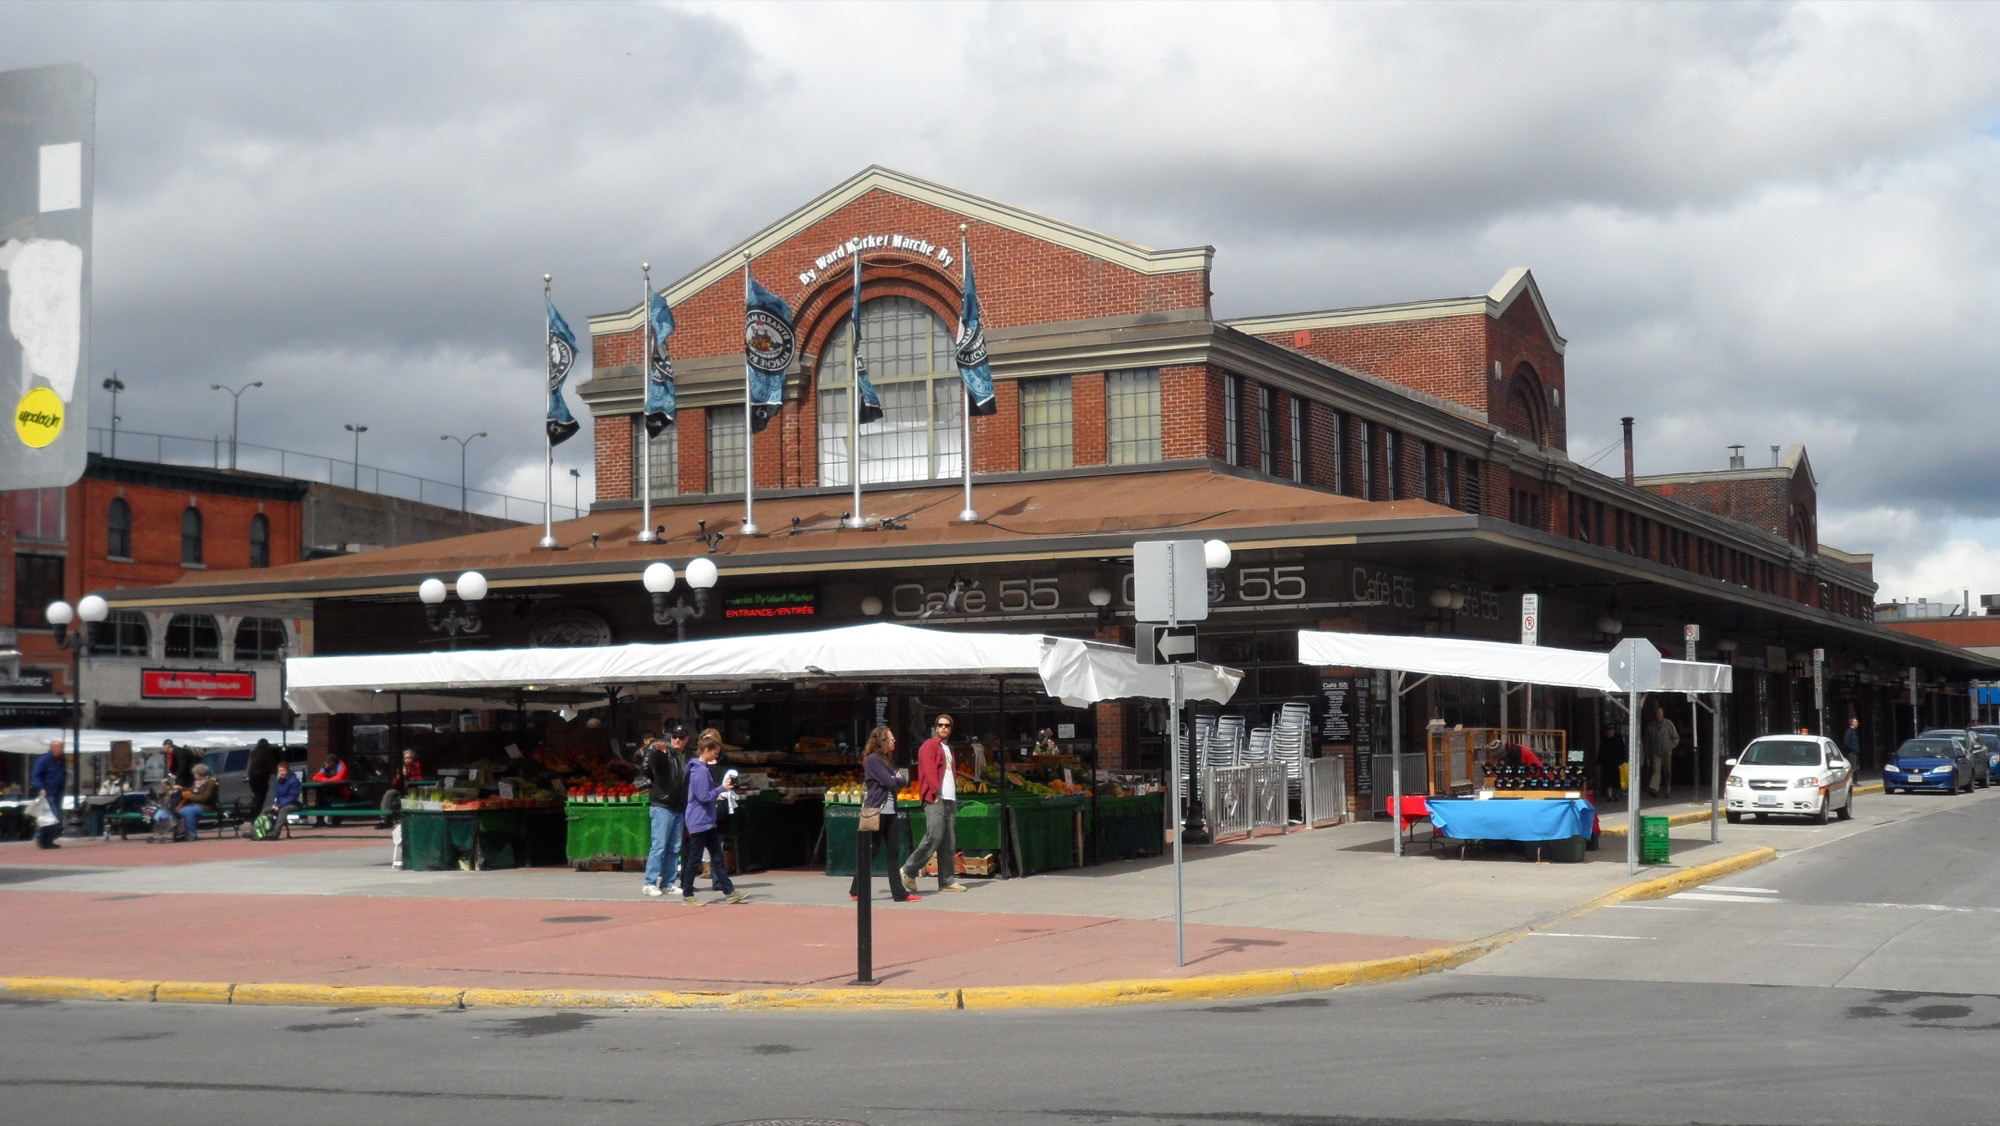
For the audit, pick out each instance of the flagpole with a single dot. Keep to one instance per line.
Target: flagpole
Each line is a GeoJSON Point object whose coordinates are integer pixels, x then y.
{"type": "Point", "coordinates": [644, 433]}
{"type": "Point", "coordinates": [548, 541]}
{"type": "Point", "coordinates": [749, 446]}
{"type": "Point", "coordinates": [854, 399]}
{"type": "Point", "coordinates": [966, 515]}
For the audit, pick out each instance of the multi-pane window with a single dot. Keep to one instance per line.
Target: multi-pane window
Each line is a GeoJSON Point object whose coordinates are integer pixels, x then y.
{"type": "Point", "coordinates": [191, 537]}
{"type": "Point", "coordinates": [666, 453]}
{"type": "Point", "coordinates": [38, 515]}
{"type": "Point", "coordinates": [118, 530]}
{"type": "Point", "coordinates": [38, 581]}
{"type": "Point", "coordinates": [1392, 462]}
{"type": "Point", "coordinates": [1299, 432]}
{"type": "Point", "coordinates": [908, 350]}
{"type": "Point", "coordinates": [1132, 416]}
{"type": "Point", "coordinates": [122, 633]}
{"type": "Point", "coordinates": [259, 639]}
{"type": "Point", "coordinates": [1471, 494]}
{"type": "Point", "coordinates": [260, 541]}
{"type": "Point", "coordinates": [1046, 429]}
{"type": "Point", "coordinates": [193, 635]}
{"type": "Point", "coordinates": [1232, 419]}
{"type": "Point", "coordinates": [725, 450]}
{"type": "Point", "coordinates": [1450, 479]}
{"type": "Point", "coordinates": [1267, 428]}
{"type": "Point", "coordinates": [1338, 424]}
{"type": "Point", "coordinates": [1364, 446]}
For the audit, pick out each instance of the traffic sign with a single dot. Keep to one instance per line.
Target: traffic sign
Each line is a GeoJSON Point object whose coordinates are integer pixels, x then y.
{"type": "Point", "coordinates": [1169, 581]}
{"type": "Point", "coordinates": [1634, 666]}
{"type": "Point", "coordinates": [1165, 645]}
{"type": "Point", "coordinates": [1531, 618]}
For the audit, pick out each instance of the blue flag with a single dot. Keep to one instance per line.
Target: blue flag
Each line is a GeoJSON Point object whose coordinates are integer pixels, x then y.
{"type": "Point", "coordinates": [659, 369]}
{"type": "Point", "coordinates": [871, 405]}
{"type": "Point", "coordinates": [973, 366]}
{"type": "Point", "coordinates": [562, 354]}
{"type": "Point", "coordinates": [767, 347]}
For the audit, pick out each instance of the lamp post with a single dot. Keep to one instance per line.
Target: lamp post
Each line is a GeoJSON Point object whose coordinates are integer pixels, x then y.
{"type": "Point", "coordinates": [462, 443]}
{"type": "Point", "coordinates": [576, 491]}
{"type": "Point", "coordinates": [659, 580]}
{"type": "Point", "coordinates": [357, 430]}
{"type": "Point", "coordinates": [1215, 556]}
{"type": "Point", "coordinates": [114, 385]}
{"type": "Point", "coordinates": [235, 402]}
{"type": "Point", "coordinates": [90, 609]}
{"type": "Point", "coordinates": [453, 621]}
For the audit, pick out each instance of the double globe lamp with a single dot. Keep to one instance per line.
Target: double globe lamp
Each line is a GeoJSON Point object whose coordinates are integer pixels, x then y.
{"type": "Point", "coordinates": [658, 580]}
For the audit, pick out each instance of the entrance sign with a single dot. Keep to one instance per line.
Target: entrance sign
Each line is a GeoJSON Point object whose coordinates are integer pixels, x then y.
{"type": "Point", "coordinates": [1165, 645]}
{"type": "Point", "coordinates": [1169, 581]}
{"type": "Point", "coordinates": [1531, 619]}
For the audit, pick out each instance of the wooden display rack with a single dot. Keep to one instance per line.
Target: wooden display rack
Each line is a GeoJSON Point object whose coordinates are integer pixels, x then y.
{"type": "Point", "coordinates": [1454, 752]}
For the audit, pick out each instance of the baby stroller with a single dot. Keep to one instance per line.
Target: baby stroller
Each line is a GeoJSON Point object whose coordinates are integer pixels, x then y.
{"type": "Point", "coordinates": [163, 822]}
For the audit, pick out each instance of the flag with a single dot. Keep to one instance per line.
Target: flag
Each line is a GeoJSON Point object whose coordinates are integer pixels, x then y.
{"type": "Point", "coordinates": [659, 369]}
{"type": "Point", "coordinates": [871, 404]}
{"type": "Point", "coordinates": [767, 348]}
{"type": "Point", "coordinates": [562, 353]}
{"type": "Point", "coordinates": [973, 366]}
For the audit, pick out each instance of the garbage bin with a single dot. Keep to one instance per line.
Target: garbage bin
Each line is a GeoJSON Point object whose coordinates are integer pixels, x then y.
{"type": "Point", "coordinates": [1653, 840]}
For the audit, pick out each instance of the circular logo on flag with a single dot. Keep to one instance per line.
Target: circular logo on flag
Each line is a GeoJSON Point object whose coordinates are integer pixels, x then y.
{"type": "Point", "coordinates": [561, 356]}
{"type": "Point", "coordinates": [38, 418]}
{"type": "Point", "coordinates": [767, 342]}
{"type": "Point", "coordinates": [971, 348]}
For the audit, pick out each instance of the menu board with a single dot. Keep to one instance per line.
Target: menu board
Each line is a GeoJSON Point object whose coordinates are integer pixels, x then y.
{"type": "Point", "coordinates": [1363, 722]}
{"type": "Point", "coordinates": [1338, 726]}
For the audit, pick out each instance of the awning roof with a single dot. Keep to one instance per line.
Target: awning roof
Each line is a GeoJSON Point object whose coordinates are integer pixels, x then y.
{"type": "Point", "coordinates": [1494, 660]}
{"type": "Point", "coordinates": [98, 740]}
{"type": "Point", "coordinates": [1074, 671]}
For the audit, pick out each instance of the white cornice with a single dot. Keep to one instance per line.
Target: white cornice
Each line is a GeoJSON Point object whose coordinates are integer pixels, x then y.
{"type": "Point", "coordinates": [1494, 304]}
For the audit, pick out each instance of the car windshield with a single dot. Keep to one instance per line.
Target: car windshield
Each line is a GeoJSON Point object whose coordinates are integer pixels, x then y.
{"type": "Point", "coordinates": [1925, 748]}
{"type": "Point", "coordinates": [1781, 752]}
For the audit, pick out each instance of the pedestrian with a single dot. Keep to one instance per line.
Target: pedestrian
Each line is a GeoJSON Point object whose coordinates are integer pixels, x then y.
{"type": "Point", "coordinates": [1611, 759]}
{"type": "Point", "coordinates": [202, 798]}
{"type": "Point", "coordinates": [1850, 740]}
{"type": "Point", "coordinates": [182, 760]}
{"type": "Point", "coordinates": [702, 795]}
{"type": "Point", "coordinates": [263, 764]}
{"type": "Point", "coordinates": [410, 771]}
{"type": "Point", "coordinates": [49, 782]}
{"type": "Point", "coordinates": [284, 792]}
{"type": "Point", "coordinates": [667, 766]}
{"type": "Point", "coordinates": [938, 787]}
{"type": "Point", "coordinates": [1662, 737]}
{"type": "Point", "coordinates": [882, 782]}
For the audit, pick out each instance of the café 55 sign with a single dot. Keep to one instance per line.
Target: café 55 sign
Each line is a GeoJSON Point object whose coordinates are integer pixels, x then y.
{"type": "Point", "coordinates": [1052, 594]}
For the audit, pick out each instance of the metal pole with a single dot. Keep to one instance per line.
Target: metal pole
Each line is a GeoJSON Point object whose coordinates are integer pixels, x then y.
{"type": "Point", "coordinates": [749, 447]}
{"type": "Point", "coordinates": [1180, 896]}
{"type": "Point", "coordinates": [864, 922]}
{"type": "Point", "coordinates": [235, 412]}
{"type": "Point", "coordinates": [1633, 781]}
{"type": "Point", "coordinates": [854, 398]}
{"type": "Point", "coordinates": [461, 474]}
{"type": "Point", "coordinates": [1396, 757]}
{"type": "Point", "coordinates": [548, 540]}
{"type": "Point", "coordinates": [81, 639]}
{"type": "Point", "coordinates": [646, 534]}
{"type": "Point", "coordinates": [1715, 768]}
{"type": "Point", "coordinates": [966, 515]}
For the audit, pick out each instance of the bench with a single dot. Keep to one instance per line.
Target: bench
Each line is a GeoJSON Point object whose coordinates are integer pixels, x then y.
{"type": "Point", "coordinates": [213, 822]}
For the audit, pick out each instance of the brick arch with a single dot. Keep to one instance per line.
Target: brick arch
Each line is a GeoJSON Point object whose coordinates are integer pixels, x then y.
{"type": "Point", "coordinates": [826, 303]}
{"type": "Point", "coordinates": [1525, 405]}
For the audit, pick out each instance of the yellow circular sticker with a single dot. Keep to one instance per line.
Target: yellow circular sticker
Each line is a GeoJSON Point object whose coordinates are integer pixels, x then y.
{"type": "Point", "coordinates": [39, 418]}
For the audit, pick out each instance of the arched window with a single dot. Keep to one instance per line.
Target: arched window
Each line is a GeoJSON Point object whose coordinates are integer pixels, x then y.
{"type": "Point", "coordinates": [909, 354]}
{"type": "Point", "coordinates": [260, 541]}
{"type": "Point", "coordinates": [1526, 407]}
{"type": "Point", "coordinates": [193, 635]}
{"type": "Point", "coordinates": [259, 639]}
{"type": "Point", "coordinates": [118, 530]}
{"type": "Point", "coordinates": [191, 537]}
{"type": "Point", "coordinates": [122, 634]}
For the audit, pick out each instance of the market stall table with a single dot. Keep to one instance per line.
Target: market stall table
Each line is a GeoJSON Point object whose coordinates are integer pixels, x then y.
{"type": "Point", "coordinates": [1527, 820]}
{"type": "Point", "coordinates": [1126, 827]}
{"type": "Point", "coordinates": [609, 828]}
{"type": "Point", "coordinates": [453, 839]}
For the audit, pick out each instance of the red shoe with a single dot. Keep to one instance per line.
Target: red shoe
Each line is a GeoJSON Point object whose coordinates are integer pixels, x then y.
{"type": "Point", "coordinates": [911, 898]}
{"type": "Point", "coordinates": [854, 897]}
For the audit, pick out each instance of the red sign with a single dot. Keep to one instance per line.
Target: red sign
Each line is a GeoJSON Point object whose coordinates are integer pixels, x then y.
{"type": "Point", "coordinates": [188, 684]}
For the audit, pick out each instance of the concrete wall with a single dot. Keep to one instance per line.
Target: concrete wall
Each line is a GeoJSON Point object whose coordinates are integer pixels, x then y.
{"type": "Point", "coordinates": [339, 519]}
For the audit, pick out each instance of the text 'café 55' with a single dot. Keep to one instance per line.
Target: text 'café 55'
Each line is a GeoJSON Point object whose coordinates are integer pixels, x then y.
{"type": "Point", "coordinates": [1396, 468]}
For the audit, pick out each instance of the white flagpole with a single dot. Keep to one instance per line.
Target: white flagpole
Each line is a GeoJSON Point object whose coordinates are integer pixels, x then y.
{"type": "Point", "coordinates": [749, 447]}
{"type": "Point", "coordinates": [548, 542]}
{"type": "Point", "coordinates": [966, 515]}
{"type": "Point", "coordinates": [854, 401]}
{"type": "Point", "coordinates": [645, 434]}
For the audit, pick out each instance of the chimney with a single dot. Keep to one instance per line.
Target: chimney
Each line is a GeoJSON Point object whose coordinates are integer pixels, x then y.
{"type": "Point", "coordinates": [1774, 457]}
{"type": "Point", "coordinates": [1626, 422]}
{"type": "Point", "coordinates": [1736, 457]}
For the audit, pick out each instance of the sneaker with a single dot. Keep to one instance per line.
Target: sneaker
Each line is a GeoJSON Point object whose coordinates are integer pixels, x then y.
{"type": "Point", "coordinates": [951, 887]}
{"type": "Point", "coordinates": [736, 897]}
{"type": "Point", "coordinates": [653, 890]}
{"type": "Point", "coordinates": [690, 901]}
{"type": "Point", "coordinates": [909, 879]}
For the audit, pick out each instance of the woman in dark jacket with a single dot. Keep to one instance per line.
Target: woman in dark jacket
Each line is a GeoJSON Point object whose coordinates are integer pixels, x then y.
{"type": "Point", "coordinates": [883, 781]}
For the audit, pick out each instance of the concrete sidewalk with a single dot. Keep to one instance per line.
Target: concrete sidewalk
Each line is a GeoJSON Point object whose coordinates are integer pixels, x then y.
{"type": "Point", "coordinates": [324, 919]}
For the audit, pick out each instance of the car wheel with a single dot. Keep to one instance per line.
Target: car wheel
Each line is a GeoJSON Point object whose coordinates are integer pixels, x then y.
{"type": "Point", "coordinates": [1847, 811]}
{"type": "Point", "coordinates": [1734, 817]}
{"type": "Point", "coordinates": [1968, 783]}
{"type": "Point", "coordinates": [1825, 813]}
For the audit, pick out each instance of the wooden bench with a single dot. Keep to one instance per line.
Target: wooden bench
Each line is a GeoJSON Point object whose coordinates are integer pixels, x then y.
{"type": "Point", "coordinates": [213, 821]}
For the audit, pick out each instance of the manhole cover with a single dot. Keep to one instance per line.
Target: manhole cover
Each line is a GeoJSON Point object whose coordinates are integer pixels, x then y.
{"type": "Point", "coordinates": [1482, 999]}
{"type": "Point", "coordinates": [577, 919]}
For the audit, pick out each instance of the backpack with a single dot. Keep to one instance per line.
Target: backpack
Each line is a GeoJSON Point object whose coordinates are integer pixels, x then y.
{"type": "Point", "coordinates": [265, 827]}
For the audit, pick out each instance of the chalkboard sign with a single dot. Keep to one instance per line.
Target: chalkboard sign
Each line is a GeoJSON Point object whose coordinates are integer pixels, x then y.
{"type": "Point", "coordinates": [1364, 735]}
{"type": "Point", "coordinates": [1338, 727]}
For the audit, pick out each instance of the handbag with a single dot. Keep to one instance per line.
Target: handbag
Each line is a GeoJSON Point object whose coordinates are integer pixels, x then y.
{"type": "Point", "coordinates": [871, 819]}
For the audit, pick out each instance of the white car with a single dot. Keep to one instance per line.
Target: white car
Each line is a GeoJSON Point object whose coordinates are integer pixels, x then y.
{"type": "Point", "coordinates": [1797, 775]}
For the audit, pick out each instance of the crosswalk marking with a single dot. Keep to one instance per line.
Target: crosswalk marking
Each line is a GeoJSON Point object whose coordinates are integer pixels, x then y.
{"type": "Point", "coordinates": [1733, 887]}
{"type": "Point", "coordinates": [1573, 934]}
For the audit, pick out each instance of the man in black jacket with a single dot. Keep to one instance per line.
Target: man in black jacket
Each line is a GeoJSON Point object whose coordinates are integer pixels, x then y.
{"type": "Point", "coordinates": [667, 767]}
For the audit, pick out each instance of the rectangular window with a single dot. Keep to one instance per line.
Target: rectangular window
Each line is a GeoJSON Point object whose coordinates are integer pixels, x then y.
{"type": "Point", "coordinates": [1299, 432]}
{"type": "Point", "coordinates": [1392, 463]}
{"type": "Point", "coordinates": [1364, 446]}
{"type": "Point", "coordinates": [1450, 479]}
{"type": "Point", "coordinates": [38, 515]}
{"type": "Point", "coordinates": [1429, 476]}
{"type": "Point", "coordinates": [1232, 419]}
{"type": "Point", "coordinates": [1472, 491]}
{"type": "Point", "coordinates": [1046, 430]}
{"type": "Point", "coordinates": [666, 452]}
{"type": "Point", "coordinates": [38, 581]}
{"type": "Point", "coordinates": [1337, 422]}
{"type": "Point", "coordinates": [725, 450]}
{"type": "Point", "coordinates": [1267, 429]}
{"type": "Point", "coordinates": [1132, 416]}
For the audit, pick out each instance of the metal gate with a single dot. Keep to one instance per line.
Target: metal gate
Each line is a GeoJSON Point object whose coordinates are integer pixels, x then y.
{"type": "Point", "coordinates": [1323, 793]}
{"type": "Point", "coordinates": [1228, 799]}
{"type": "Point", "coordinates": [1269, 794]}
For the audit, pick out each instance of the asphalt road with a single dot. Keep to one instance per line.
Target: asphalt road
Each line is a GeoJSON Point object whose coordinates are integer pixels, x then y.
{"type": "Point", "coordinates": [1851, 981]}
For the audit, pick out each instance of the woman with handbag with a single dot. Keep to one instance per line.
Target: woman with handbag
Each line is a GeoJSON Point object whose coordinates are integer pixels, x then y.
{"type": "Point", "coordinates": [879, 800]}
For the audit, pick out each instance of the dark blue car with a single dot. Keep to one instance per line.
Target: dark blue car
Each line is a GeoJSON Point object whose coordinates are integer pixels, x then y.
{"type": "Point", "coordinates": [1929, 764]}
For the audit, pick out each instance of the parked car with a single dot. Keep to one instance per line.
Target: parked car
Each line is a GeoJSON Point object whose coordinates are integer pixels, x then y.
{"type": "Point", "coordinates": [1989, 736]}
{"type": "Point", "coordinates": [1975, 751]}
{"type": "Point", "coordinates": [1797, 775]}
{"type": "Point", "coordinates": [230, 766]}
{"type": "Point", "coordinates": [1929, 764]}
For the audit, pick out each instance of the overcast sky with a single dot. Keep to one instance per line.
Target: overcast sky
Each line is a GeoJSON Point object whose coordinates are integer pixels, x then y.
{"type": "Point", "coordinates": [1755, 223]}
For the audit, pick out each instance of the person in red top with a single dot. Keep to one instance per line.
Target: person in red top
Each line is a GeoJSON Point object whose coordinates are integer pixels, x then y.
{"type": "Point", "coordinates": [392, 800]}
{"type": "Point", "coordinates": [332, 770]}
{"type": "Point", "coordinates": [939, 789]}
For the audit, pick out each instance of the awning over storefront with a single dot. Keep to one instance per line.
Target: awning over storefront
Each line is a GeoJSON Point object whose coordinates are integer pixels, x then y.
{"type": "Point", "coordinates": [98, 740]}
{"type": "Point", "coordinates": [1494, 660]}
{"type": "Point", "coordinates": [1074, 671]}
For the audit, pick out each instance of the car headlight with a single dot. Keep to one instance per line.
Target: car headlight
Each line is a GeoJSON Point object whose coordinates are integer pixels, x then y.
{"type": "Point", "coordinates": [1941, 770]}
{"type": "Point", "coordinates": [1810, 780]}
{"type": "Point", "coordinates": [1733, 780]}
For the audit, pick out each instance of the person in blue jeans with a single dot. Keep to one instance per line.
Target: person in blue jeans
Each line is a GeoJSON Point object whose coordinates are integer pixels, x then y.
{"type": "Point", "coordinates": [202, 798]}
{"type": "Point", "coordinates": [702, 833]}
{"type": "Point", "coordinates": [49, 782]}
{"type": "Point", "coordinates": [667, 810]}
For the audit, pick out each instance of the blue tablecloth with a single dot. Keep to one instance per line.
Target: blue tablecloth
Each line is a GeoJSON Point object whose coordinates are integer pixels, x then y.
{"type": "Point", "coordinates": [1512, 819]}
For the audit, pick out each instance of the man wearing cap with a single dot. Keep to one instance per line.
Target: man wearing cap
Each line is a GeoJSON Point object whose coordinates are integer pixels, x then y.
{"type": "Point", "coordinates": [49, 778]}
{"type": "Point", "coordinates": [666, 765]}
{"type": "Point", "coordinates": [939, 789]}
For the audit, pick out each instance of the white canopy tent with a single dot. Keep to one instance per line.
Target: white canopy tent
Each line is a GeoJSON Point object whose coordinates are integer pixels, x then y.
{"type": "Point", "coordinates": [98, 740]}
{"type": "Point", "coordinates": [1521, 664]}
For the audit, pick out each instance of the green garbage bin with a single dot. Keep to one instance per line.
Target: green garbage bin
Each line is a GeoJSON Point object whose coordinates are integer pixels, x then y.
{"type": "Point", "coordinates": [1653, 840]}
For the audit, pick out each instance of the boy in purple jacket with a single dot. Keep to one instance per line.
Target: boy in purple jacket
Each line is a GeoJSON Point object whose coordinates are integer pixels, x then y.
{"type": "Point", "coordinates": [702, 795]}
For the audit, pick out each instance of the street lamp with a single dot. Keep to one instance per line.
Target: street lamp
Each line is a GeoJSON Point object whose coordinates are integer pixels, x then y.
{"type": "Point", "coordinates": [357, 430]}
{"type": "Point", "coordinates": [576, 491]}
{"type": "Point", "coordinates": [659, 579]}
{"type": "Point", "coordinates": [1215, 556]}
{"type": "Point", "coordinates": [462, 443]}
{"type": "Point", "coordinates": [91, 609]}
{"type": "Point", "coordinates": [235, 401]}
{"type": "Point", "coordinates": [115, 385]}
{"type": "Point", "coordinates": [453, 621]}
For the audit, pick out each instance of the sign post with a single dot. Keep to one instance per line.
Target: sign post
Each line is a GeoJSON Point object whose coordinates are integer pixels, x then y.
{"type": "Point", "coordinates": [1531, 634]}
{"type": "Point", "coordinates": [1819, 690]}
{"type": "Point", "coordinates": [1170, 586]}
{"type": "Point", "coordinates": [1634, 667]}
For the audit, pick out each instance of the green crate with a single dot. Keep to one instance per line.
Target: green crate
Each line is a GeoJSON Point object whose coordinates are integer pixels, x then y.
{"type": "Point", "coordinates": [1653, 830]}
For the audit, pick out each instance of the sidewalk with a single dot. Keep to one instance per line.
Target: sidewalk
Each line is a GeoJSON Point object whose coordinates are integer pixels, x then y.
{"type": "Point", "coordinates": [324, 919]}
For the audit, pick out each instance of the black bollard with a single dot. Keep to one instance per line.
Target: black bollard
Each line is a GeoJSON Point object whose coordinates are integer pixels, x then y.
{"type": "Point", "coordinates": [864, 933]}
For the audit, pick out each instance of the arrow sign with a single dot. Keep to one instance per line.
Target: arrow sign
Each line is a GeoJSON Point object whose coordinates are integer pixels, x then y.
{"type": "Point", "coordinates": [1166, 645]}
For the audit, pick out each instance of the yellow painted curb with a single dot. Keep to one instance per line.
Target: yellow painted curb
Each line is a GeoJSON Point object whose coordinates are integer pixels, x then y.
{"type": "Point", "coordinates": [76, 988]}
{"type": "Point", "coordinates": [194, 992]}
{"type": "Point", "coordinates": [343, 996]}
{"type": "Point", "coordinates": [1695, 816]}
{"type": "Point", "coordinates": [852, 998]}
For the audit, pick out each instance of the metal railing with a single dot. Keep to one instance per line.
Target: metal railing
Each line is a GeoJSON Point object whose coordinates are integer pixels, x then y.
{"type": "Point", "coordinates": [1270, 797]}
{"type": "Point", "coordinates": [1323, 792]}
{"type": "Point", "coordinates": [213, 453]}
{"type": "Point", "coordinates": [1227, 800]}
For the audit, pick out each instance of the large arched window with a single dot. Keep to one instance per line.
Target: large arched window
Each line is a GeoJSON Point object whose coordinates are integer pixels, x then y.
{"type": "Point", "coordinates": [909, 354]}
{"type": "Point", "coordinates": [193, 635]}
{"type": "Point", "coordinates": [118, 530]}
{"type": "Point", "coordinates": [259, 639]}
{"type": "Point", "coordinates": [191, 536]}
{"type": "Point", "coordinates": [1526, 406]}
{"type": "Point", "coordinates": [260, 541]}
{"type": "Point", "coordinates": [122, 634]}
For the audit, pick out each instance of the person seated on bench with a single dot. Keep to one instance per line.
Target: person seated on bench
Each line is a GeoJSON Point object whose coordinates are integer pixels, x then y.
{"type": "Point", "coordinates": [284, 792]}
{"type": "Point", "coordinates": [202, 798]}
{"type": "Point", "coordinates": [392, 799]}
{"type": "Point", "coordinates": [332, 770]}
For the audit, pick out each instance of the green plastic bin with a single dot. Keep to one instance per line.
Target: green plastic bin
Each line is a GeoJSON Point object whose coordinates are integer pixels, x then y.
{"type": "Point", "coordinates": [1653, 841]}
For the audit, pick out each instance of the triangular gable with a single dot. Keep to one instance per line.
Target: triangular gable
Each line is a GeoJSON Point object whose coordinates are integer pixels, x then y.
{"type": "Point", "coordinates": [1511, 286]}
{"type": "Point", "coordinates": [974, 208]}
{"type": "Point", "coordinates": [1494, 304]}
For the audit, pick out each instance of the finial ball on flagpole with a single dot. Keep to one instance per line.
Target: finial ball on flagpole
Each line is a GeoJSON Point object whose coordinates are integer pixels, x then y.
{"type": "Point", "coordinates": [961, 228]}
{"type": "Point", "coordinates": [645, 265]}
{"type": "Point", "coordinates": [548, 277]}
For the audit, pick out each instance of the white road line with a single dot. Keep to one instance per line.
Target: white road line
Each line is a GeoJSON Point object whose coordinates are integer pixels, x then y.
{"type": "Point", "coordinates": [1649, 907]}
{"type": "Point", "coordinates": [1572, 934]}
{"type": "Point", "coordinates": [1717, 898]}
{"type": "Point", "coordinates": [1733, 887]}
